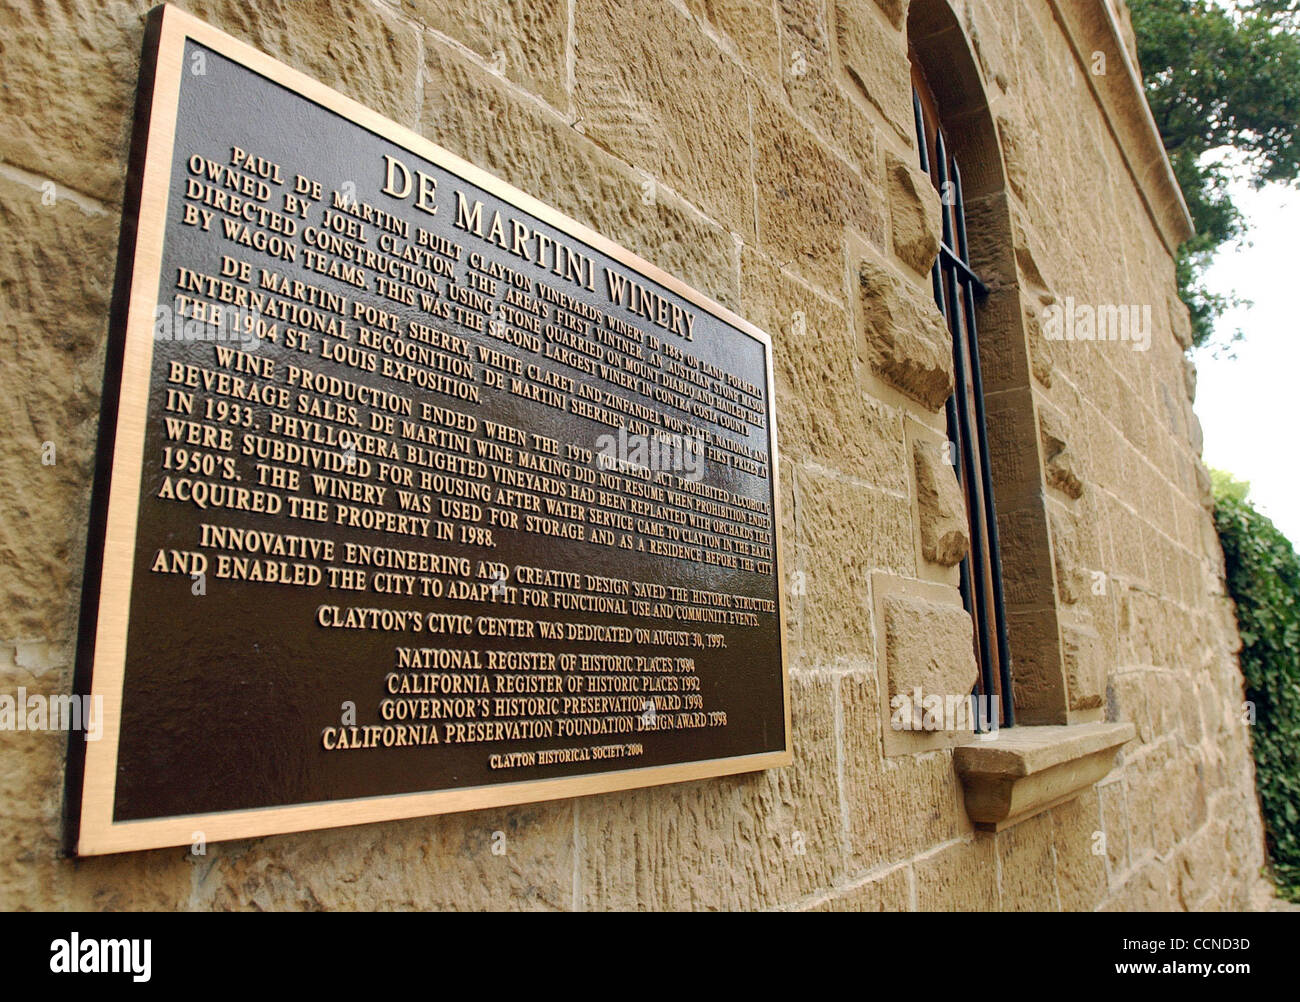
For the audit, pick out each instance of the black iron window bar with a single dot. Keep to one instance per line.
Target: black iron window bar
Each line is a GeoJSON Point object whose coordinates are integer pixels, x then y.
{"type": "Point", "coordinates": [956, 290]}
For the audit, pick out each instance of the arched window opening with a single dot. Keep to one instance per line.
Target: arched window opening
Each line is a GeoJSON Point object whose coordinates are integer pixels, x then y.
{"type": "Point", "coordinates": [956, 291]}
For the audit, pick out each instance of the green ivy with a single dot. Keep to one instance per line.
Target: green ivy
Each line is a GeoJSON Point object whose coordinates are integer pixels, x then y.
{"type": "Point", "coordinates": [1264, 579]}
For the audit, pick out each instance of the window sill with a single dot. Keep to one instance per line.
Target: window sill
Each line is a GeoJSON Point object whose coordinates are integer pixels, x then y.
{"type": "Point", "coordinates": [1026, 770]}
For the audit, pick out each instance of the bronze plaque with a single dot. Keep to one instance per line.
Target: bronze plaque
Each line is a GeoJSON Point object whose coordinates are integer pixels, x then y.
{"type": "Point", "coordinates": [414, 495]}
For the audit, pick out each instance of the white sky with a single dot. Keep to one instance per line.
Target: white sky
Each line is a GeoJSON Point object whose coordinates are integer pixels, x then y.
{"type": "Point", "coordinates": [1249, 406]}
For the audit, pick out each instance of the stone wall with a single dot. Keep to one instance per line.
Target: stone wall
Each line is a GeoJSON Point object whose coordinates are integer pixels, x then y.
{"type": "Point", "coordinates": [761, 151]}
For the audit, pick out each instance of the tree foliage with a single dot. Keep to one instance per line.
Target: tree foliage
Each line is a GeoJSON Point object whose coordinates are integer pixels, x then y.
{"type": "Point", "coordinates": [1263, 573]}
{"type": "Point", "coordinates": [1220, 74]}
{"type": "Point", "coordinates": [1226, 485]}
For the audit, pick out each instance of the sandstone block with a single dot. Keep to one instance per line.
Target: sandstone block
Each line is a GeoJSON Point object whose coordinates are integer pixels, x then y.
{"type": "Point", "coordinates": [1040, 355]}
{"type": "Point", "coordinates": [896, 807]}
{"type": "Point", "coordinates": [1084, 673]}
{"type": "Point", "coordinates": [749, 26]}
{"type": "Point", "coordinates": [1147, 890]}
{"type": "Point", "coordinates": [445, 862]}
{"type": "Point", "coordinates": [847, 531]}
{"type": "Point", "coordinates": [815, 86]}
{"type": "Point", "coordinates": [1038, 678]}
{"type": "Point", "coordinates": [876, 62]}
{"type": "Point", "coordinates": [913, 214]}
{"type": "Point", "coordinates": [959, 877]}
{"type": "Point", "coordinates": [33, 873]}
{"type": "Point", "coordinates": [822, 412]}
{"type": "Point", "coordinates": [524, 41]}
{"type": "Point", "coordinates": [661, 96]}
{"type": "Point", "coordinates": [807, 197]}
{"type": "Point", "coordinates": [1015, 153]}
{"type": "Point", "coordinates": [1004, 359]}
{"type": "Point", "coordinates": [1126, 700]}
{"type": "Point", "coordinates": [1080, 867]}
{"type": "Point", "coordinates": [991, 44]}
{"type": "Point", "coordinates": [52, 341]}
{"type": "Point", "coordinates": [744, 842]}
{"type": "Point", "coordinates": [1026, 556]}
{"type": "Point", "coordinates": [1204, 487]}
{"type": "Point", "coordinates": [371, 54]}
{"type": "Point", "coordinates": [1028, 869]}
{"type": "Point", "coordinates": [1197, 866]}
{"type": "Point", "coordinates": [945, 535]}
{"type": "Point", "coordinates": [1180, 317]}
{"type": "Point", "coordinates": [68, 77]}
{"type": "Point", "coordinates": [895, 10]}
{"type": "Point", "coordinates": [890, 893]}
{"type": "Point", "coordinates": [474, 114]}
{"type": "Point", "coordinates": [1196, 435]}
{"type": "Point", "coordinates": [903, 337]}
{"type": "Point", "coordinates": [1071, 577]}
{"type": "Point", "coordinates": [1114, 822]}
{"type": "Point", "coordinates": [928, 646]}
{"type": "Point", "coordinates": [1063, 468]}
